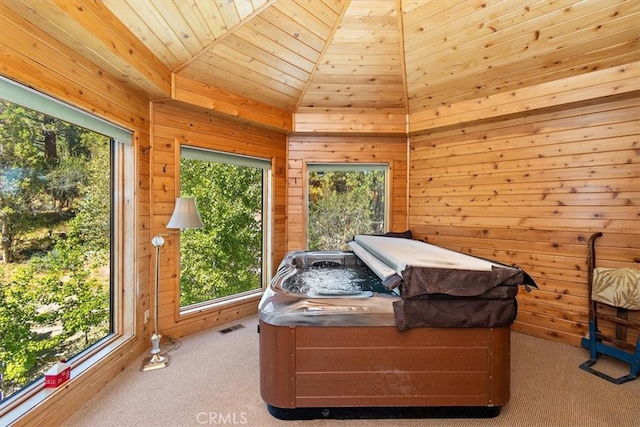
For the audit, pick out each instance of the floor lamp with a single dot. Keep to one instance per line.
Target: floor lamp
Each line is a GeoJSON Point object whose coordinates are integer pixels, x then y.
{"type": "Point", "coordinates": [185, 215]}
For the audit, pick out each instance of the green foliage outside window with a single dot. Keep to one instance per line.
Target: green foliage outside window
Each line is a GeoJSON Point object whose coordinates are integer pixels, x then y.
{"type": "Point", "coordinates": [224, 257]}
{"type": "Point", "coordinates": [55, 191]}
{"type": "Point", "coordinates": [342, 204]}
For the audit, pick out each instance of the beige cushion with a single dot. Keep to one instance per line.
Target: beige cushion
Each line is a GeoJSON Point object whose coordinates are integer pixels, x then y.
{"type": "Point", "coordinates": [619, 287]}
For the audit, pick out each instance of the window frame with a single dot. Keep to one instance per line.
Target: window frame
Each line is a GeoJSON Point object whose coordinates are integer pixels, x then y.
{"type": "Point", "coordinates": [123, 241]}
{"type": "Point", "coordinates": [264, 163]}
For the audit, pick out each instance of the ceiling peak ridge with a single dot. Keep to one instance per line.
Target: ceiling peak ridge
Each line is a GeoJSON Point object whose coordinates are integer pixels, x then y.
{"type": "Point", "coordinates": [217, 40]}
{"type": "Point", "coordinates": [335, 28]}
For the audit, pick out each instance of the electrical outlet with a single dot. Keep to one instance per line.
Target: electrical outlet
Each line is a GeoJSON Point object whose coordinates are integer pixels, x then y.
{"type": "Point", "coordinates": [146, 316]}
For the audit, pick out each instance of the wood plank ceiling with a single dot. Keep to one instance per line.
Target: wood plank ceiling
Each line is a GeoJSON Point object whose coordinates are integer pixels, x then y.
{"type": "Point", "coordinates": [366, 56]}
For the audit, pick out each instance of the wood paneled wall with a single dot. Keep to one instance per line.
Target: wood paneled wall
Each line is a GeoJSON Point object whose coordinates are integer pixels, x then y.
{"type": "Point", "coordinates": [29, 56]}
{"type": "Point", "coordinates": [303, 149]}
{"type": "Point", "coordinates": [525, 190]}
{"type": "Point", "coordinates": [530, 191]}
{"type": "Point", "coordinates": [175, 124]}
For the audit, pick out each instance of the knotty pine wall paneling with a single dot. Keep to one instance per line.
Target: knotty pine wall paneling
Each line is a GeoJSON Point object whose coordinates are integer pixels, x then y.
{"type": "Point", "coordinates": [173, 125]}
{"type": "Point", "coordinates": [530, 191]}
{"type": "Point", "coordinates": [303, 149]}
{"type": "Point", "coordinates": [31, 57]}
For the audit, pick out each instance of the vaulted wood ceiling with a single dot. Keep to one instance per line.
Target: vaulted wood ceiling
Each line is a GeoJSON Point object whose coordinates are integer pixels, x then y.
{"type": "Point", "coordinates": [334, 56]}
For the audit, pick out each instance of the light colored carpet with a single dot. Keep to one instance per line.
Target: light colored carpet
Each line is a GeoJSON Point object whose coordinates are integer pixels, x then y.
{"type": "Point", "coordinates": [214, 380]}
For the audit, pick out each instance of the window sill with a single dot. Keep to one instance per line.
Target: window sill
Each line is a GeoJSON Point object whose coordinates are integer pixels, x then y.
{"type": "Point", "coordinates": [36, 394]}
{"type": "Point", "coordinates": [222, 303]}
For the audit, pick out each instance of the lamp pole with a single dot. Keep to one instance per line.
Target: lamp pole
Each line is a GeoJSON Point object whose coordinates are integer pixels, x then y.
{"type": "Point", "coordinates": [156, 360]}
{"type": "Point", "coordinates": [185, 215]}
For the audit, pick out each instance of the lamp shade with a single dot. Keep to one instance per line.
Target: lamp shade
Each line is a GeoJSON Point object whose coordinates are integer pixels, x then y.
{"type": "Point", "coordinates": [185, 214]}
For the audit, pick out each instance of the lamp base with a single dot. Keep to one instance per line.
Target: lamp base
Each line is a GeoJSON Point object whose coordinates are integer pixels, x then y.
{"type": "Point", "coordinates": [157, 361]}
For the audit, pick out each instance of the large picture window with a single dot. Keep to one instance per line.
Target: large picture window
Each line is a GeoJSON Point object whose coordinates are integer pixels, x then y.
{"type": "Point", "coordinates": [343, 200]}
{"type": "Point", "coordinates": [60, 169]}
{"type": "Point", "coordinates": [225, 257]}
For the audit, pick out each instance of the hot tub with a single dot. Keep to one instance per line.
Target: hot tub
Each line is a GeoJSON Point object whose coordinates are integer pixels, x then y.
{"type": "Point", "coordinates": [336, 350]}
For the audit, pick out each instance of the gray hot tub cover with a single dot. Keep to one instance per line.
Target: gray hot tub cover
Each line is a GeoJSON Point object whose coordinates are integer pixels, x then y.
{"type": "Point", "coordinates": [444, 288]}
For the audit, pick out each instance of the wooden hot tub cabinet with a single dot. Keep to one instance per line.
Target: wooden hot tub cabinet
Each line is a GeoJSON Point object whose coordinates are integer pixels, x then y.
{"type": "Point", "coordinates": [379, 366]}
